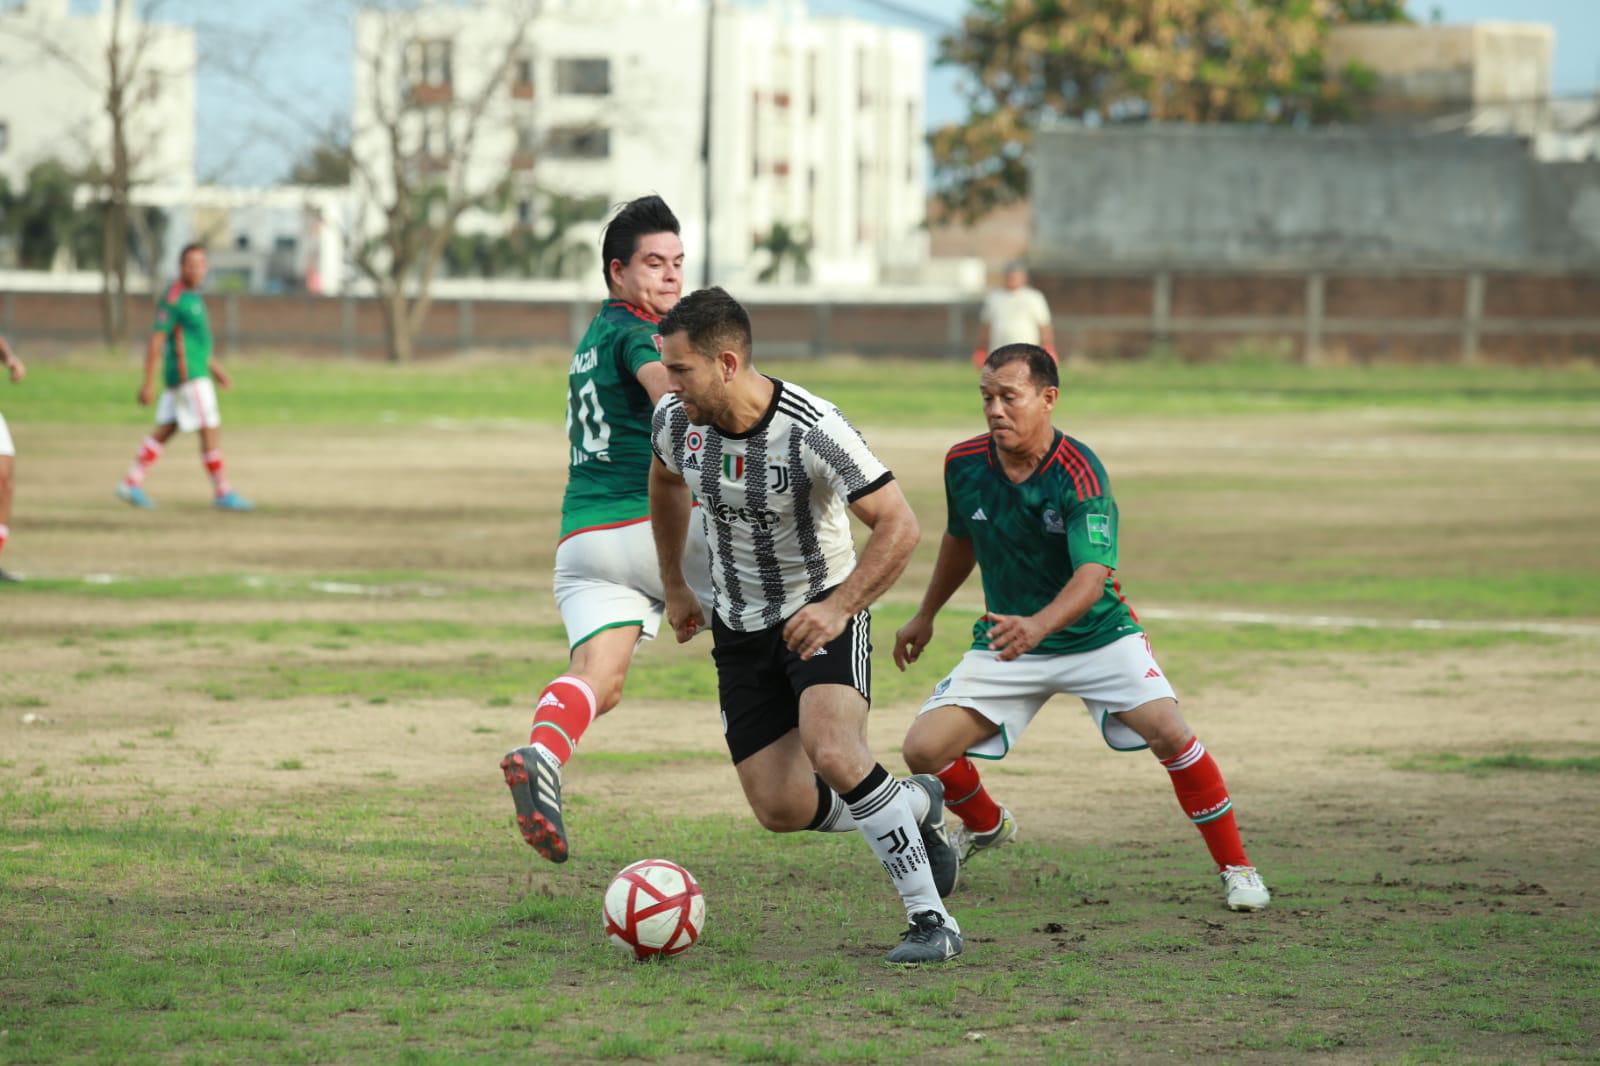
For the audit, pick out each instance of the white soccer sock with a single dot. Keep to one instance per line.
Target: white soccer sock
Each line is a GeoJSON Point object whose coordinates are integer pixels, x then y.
{"type": "Point", "coordinates": [883, 812]}
{"type": "Point", "coordinates": [833, 814]}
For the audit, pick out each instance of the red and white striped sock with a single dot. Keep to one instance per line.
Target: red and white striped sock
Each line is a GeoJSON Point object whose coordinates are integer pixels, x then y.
{"type": "Point", "coordinates": [965, 795]}
{"type": "Point", "coordinates": [1204, 798]}
{"type": "Point", "coordinates": [149, 452]}
{"type": "Point", "coordinates": [219, 480]}
{"type": "Point", "coordinates": [566, 707]}
{"type": "Point", "coordinates": [5, 531]}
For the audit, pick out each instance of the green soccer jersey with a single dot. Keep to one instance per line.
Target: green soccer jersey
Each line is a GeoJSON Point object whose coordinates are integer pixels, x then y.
{"type": "Point", "coordinates": [1030, 537]}
{"type": "Point", "coordinates": [181, 315]}
{"type": "Point", "coordinates": [608, 421]}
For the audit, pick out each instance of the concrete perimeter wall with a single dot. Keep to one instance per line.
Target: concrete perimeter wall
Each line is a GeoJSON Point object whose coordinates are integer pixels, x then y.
{"type": "Point", "coordinates": [1307, 315]}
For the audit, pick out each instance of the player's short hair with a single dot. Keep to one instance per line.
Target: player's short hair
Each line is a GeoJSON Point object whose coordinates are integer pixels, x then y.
{"type": "Point", "coordinates": [192, 246]}
{"type": "Point", "coordinates": [1041, 368]}
{"type": "Point", "coordinates": [634, 220]}
{"type": "Point", "coordinates": [712, 321]}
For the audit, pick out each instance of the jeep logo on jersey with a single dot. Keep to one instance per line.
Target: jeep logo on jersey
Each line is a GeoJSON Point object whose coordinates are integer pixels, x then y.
{"type": "Point", "coordinates": [733, 467]}
{"type": "Point", "coordinates": [1053, 522]}
{"type": "Point", "coordinates": [779, 477]}
{"type": "Point", "coordinates": [729, 515]}
{"type": "Point", "coordinates": [1100, 530]}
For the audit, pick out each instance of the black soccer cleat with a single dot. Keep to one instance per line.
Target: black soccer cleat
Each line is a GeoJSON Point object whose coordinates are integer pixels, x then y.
{"type": "Point", "coordinates": [535, 782]}
{"type": "Point", "coordinates": [927, 939]}
{"type": "Point", "coordinates": [12, 579]}
{"type": "Point", "coordinates": [943, 858]}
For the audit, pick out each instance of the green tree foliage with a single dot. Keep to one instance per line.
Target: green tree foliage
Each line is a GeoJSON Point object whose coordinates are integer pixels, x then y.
{"type": "Point", "coordinates": [1031, 61]}
{"type": "Point", "coordinates": [786, 244]}
{"type": "Point", "coordinates": [546, 249]}
{"type": "Point", "coordinates": [326, 162]}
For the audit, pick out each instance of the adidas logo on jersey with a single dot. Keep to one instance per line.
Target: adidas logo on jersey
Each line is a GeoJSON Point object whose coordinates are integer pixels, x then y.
{"type": "Point", "coordinates": [1152, 672]}
{"type": "Point", "coordinates": [979, 516]}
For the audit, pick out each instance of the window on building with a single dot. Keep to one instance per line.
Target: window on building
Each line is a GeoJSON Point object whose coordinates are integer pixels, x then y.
{"type": "Point", "coordinates": [522, 74]}
{"type": "Point", "coordinates": [436, 133]}
{"type": "Point", "coordinates": [583, 77]}
{"type": "Point", "coordinates": [527, 140]}
{"type": "Point", "coordinates": [5, 137]}
{"type": "Point", "coordinates": [428, 63]}
{"type": "Point", "coordinates": [578, 142]}
{"type": "Point", "coordinates": [525, 212]}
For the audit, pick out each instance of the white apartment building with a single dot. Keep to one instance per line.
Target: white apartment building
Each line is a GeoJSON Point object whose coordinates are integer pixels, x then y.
{"type": "Point", "coordinates": [815, 123]}
{"type": "Point", "coordinates": [53, 79]}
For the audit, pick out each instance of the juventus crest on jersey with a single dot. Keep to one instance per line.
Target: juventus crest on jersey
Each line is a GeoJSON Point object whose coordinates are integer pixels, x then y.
{"type": "Point", "coordinates": [773, 499]}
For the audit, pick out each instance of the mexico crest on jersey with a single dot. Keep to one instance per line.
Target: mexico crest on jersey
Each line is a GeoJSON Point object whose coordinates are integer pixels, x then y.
{"type": "Point", "coordinates": [1052, 521]}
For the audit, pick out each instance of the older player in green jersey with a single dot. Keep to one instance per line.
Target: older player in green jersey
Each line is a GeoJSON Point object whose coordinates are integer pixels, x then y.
{"type": "Point", "coordinates": [607, 584]}
{"type": "Point", "coordinates": [180, 344]}
{"type": "Point", "coordinates": [1032, 508]}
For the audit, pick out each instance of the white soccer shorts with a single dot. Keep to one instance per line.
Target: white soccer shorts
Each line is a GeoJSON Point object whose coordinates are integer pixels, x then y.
{"type": "Point", "coordinates": [607, 578]}
{"type": "Point", "coordinates": [192, 405]}
{"type": "Point", "coordinates": [1119, 677]}
{"type": "Point", "coordinates": [7, 447]}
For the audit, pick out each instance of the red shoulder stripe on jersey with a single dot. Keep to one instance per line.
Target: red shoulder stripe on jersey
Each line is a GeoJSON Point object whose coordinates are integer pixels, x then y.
{"type": "Point", "coordinates": [969, 449]}
{"type": "Point", "coordinates": [964, 455]}
{"type": "Point", "coordinates": [1060, 456]}
{"type": "Point", "coordinates": [174, 291]}
{"type": "Point", "coordinates": [636, 311]}
{"type": "Point", "coordinates": [1092, 481]}
{"type": "Point", "coordinates": [981, 438]}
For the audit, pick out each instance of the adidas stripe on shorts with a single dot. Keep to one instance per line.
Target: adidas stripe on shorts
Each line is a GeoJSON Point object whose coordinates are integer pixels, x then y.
{"type": "Point", "coordinates": [1119, 677]}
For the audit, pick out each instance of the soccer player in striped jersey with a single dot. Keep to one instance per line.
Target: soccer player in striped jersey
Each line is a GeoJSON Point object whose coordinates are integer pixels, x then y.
{"type": "Point", "coordinates": [180, 344]}
{"type": "Point", "coordinates": [777, 472]}
{"type": "Point", "coordinates": [1032, 508]}
{"type": "Point", "coordinates": [8, 452]}
{"type": "Point", "coordinates": [607, 584]}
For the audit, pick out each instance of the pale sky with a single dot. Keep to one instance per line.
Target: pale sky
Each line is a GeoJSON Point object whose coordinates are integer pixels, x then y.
{"type": "Point", "coordinates": [306, 45]}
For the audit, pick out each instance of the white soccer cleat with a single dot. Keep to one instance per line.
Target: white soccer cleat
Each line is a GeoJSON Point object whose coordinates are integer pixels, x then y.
{"type": "Point", "coordinates": [1246, 890]}
{"type": "Point", "coordinates": [967, 843]}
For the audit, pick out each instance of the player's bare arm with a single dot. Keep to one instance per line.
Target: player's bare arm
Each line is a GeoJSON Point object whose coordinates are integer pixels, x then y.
{"type": "Point", "coordinates": [894, 536]}
{"type": "Point", "coordinates": [669, 524]}
{"type": "Point", "coordinates": [950, 571]}
{"type": "Point", "coordinates": [152, 359]}
{"type": "Point", "coordinates": [12, 363]}
{"type": "Point", "coordinates": [219, 375]}
{"type": "Point", "coordinates": [653, 377]}
{"type": "Point", "coordinates": [1013, 635]}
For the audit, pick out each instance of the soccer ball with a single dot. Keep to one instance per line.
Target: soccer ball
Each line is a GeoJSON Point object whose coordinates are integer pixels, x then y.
{"type": "Point", "coordinates": [654, 907]}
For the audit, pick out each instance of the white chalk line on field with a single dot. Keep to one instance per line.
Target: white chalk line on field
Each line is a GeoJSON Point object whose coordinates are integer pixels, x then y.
{"type": "Point", "coordinates": [1160, 614]}
{"type": "Point", "coordinates": [1334, 621]}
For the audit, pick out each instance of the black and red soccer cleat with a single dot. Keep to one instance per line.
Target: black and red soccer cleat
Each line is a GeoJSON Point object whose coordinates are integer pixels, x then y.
{"type": "Point", "coordinates": [534, 778]}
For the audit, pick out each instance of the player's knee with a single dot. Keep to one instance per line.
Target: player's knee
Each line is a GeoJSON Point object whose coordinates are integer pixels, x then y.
{"type": "Point", "coordinates": [777, 816]}
{"type": "Point", "coordinates": [838, 760]}
{"type": "Point", "coordinates": [923, 752]}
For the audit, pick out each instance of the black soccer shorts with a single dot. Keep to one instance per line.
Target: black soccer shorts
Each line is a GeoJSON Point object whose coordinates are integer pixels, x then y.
{"type": "Point", "coordinates": [759, 680]}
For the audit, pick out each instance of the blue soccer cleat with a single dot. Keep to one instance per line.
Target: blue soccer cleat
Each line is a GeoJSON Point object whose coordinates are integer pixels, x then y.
{"type": "Point", "coordinates": [135, 495]}
{"type": "Point", "coordinates": [232, 501]}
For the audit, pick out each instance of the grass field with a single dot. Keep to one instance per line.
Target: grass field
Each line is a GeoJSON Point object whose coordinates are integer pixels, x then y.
{"type": "Point", "coordinates": [250, 808]}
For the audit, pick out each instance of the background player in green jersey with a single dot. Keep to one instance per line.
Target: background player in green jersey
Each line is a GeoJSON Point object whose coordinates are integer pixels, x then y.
{"type": "Point", "coordinates": [607, 583]}
{"type": "Point", "coordinates": [17, 371]}
{"type": "Point", "coordinates": [181, 344]}
{"type": "Point", "coordinates": [1033, 509]}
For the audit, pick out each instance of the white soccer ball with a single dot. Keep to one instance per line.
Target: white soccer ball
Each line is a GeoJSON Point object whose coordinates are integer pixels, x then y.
{"type": "Point", "coordinates": [654, 907]}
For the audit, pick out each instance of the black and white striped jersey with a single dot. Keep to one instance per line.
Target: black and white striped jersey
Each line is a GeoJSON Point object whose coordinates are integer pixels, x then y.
{"type": "Point", "coordinates": [774, 500]}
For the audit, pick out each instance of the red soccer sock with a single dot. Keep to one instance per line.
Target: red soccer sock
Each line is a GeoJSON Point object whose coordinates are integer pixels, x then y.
{"type": "Point", "coordinates": [1204, 798]}
{"type": "Point", "coordinates": [219, 480]}
{"type": "Point", "coordinates": [965, 795]}
{"type": "Point", "coordinates": [149, 452]}
{"type": "Point", "coordinates": [5, 531]}
{"type": "Point", "coordinates": [566, 707]}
